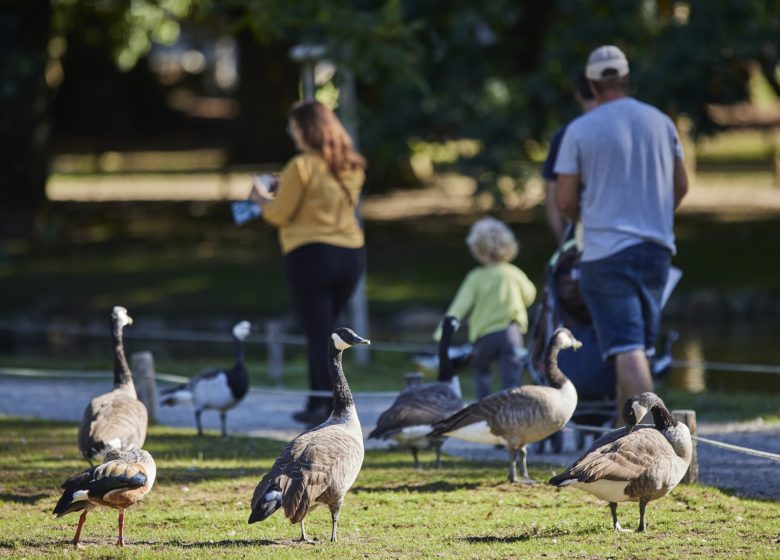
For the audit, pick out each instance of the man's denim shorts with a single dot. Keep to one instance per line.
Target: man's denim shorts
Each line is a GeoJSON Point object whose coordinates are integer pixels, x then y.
{"type": "Point", "coordinates": [623, 293]}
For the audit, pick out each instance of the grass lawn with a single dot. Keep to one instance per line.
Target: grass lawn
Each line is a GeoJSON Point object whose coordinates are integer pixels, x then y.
{"type": "Point", "coordinates": [200, 504]}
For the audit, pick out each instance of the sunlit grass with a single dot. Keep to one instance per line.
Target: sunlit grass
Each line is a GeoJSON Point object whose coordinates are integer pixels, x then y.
{"type": "Point", "coordinates": [200, 504]}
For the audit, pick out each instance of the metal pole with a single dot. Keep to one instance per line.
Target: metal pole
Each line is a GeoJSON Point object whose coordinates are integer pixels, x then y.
{"type": "Point", "coordinates": [358, 303]}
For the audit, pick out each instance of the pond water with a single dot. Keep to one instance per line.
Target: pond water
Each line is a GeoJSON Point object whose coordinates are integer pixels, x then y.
{"type": "Point", "coordinates": [755, 343]}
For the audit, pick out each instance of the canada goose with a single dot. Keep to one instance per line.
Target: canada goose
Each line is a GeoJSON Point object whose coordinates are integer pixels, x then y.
{"type": "Point", "coordinates": [417, 408]}
{"type": "Point", "coordinates": [634, 463]}
{"type": "Point", "coordinates": [123, 479]}
{"type": "Point", "coordinates": [320, 465]}
{"type": "Point", "coordinates": [521, 415]}
{"type": "Point", "coordinates": [218, 389]}
{"type": "Point", "coordinates": [117, 419]}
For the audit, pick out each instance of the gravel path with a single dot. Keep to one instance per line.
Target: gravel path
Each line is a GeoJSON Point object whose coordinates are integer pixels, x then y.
{"type": "Point", "coordinates": [266, 413]}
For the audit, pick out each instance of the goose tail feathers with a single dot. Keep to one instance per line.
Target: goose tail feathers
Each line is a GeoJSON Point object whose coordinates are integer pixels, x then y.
{"type": "Point", "coordinates": [267, 499]}
{"type": "Point", "coordinates": [179, 394]}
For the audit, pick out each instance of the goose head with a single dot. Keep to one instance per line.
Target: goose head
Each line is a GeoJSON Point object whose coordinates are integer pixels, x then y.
{"type": "Point", "coordinates": [241, 330]}
{"type": "Point", "coordinates": [120, 317]}
{"type": "Point", "coordinates": [343, 338]}
{"type": "Point", "coordinates": [563, 338]}
{"type": "Point", "coordinates": [638, 406]}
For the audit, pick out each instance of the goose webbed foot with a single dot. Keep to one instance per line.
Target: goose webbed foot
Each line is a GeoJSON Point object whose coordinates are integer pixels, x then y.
{"type": "Point", "coordinates": [615, 522]}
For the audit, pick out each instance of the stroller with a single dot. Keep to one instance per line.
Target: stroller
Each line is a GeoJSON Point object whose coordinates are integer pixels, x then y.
{"type": "Point", "coordinates": [562, 304]}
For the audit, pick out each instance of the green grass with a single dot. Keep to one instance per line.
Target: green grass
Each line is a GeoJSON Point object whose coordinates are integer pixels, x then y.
{"type": "Point", "coordinates": [200, 504]}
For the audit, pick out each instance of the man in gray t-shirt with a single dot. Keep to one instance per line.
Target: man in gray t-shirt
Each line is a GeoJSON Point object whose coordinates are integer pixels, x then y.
{"type": "Point", "coordinates": [629, 156]}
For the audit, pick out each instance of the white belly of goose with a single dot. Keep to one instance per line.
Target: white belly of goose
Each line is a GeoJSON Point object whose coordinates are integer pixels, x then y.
{"type": "Point", "coordinates": [414, 436]}
{"type": "Point", "coordinates": [213, 392]}
{"type": "Point", "coordinates": [479, 432]}
{"type": "Point", "coordinates": [607, 490]}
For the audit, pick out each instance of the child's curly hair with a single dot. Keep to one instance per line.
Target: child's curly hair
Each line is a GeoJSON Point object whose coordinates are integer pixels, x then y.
{"type": "Point", "coordinates": [491, 241]}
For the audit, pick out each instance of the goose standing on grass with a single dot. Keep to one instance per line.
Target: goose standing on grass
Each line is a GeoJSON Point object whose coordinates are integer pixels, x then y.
{"type": "Point", "coordinates": [218, 389]}
{"type": "Point", "coordinates": [518, 416]}
{"type": "Point", "coordinates": [123, 479]}
{"type": "Point", "coordinates": [320, 465]}
{"type": "Point", "coordinates": [413, 413]}
{"type": "Point", "coordinates": [117, 419]}
{"type": "Point", "coordinates": [634, 464]}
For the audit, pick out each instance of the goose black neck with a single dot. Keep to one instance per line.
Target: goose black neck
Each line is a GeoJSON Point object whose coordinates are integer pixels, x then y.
{"type": "Point", "coordinates": [122, 373]}
{"type": "Point", "coordinates": [555, 376]}
{"type": "Point", "coordinates": [342, 396]}
{"type": "Point", "coordinates": [446, 369]}
{"type": "Point", "coordinates": [662, 418]}
{"type": "Point", "coordinates": [239, 346]}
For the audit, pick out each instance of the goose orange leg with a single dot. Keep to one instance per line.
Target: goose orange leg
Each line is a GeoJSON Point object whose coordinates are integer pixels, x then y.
{"type": "Point", "coordinates": [121, 540]}
{"type": "Point", "coordinates": [77, 537]}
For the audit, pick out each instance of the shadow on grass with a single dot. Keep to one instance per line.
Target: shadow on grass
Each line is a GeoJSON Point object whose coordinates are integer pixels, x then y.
{"type": "Point", "coordinates": [534, 534]}
{"type": "Point", "coordinates": [23, 499]}
{"type": "Point", "coordinates": [238, 543]}
{"type": "Point", "coordinates": [430, 488]}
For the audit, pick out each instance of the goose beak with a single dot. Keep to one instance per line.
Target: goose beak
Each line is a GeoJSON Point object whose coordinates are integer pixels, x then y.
{"type": "Point", "coordinates": [576, 344]}
{"type": "Point", "coordinates": [361, 341]}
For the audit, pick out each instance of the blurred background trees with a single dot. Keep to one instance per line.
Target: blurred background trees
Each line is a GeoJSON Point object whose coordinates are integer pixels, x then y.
{"type": "Point", "coordinates": [493, 77]}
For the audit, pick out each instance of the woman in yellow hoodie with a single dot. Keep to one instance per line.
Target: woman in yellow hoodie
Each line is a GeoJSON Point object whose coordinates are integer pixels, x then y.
{"type": "Point", "coordinates": [314, 208]}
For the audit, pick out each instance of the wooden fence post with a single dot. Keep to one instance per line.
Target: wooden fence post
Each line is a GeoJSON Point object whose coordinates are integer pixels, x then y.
{"type": "Point", "coordinates": [274, 350]}
{"type": "Point", "coordinates": [688, 417]}
{"type": "Point", "coordinates": [145, 382]}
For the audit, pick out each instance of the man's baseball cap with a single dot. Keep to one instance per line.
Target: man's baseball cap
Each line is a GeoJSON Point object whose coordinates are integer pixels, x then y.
{"type": "Point", "coordinates": [604, 58]}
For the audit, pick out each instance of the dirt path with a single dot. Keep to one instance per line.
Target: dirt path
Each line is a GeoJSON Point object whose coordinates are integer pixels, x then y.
{"type": "Point", "coordinates": [266, 413]}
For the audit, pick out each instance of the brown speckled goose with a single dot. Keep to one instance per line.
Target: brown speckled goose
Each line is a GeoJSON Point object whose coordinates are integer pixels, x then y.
{"type": "Point", "coordinates": [123, 480]}
{"type": "Point", "coordinates": [117, 419]}
{"type": "Point", "coordinates": [417, 408]}
{"type": "Point", "coordinates": [521, 415]}
{"type": "Point", "coordinates": [634, 464]}
{"type": "Point", "coordinates": [320, 465]}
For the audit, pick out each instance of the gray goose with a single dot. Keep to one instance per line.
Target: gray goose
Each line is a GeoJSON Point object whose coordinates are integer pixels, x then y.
{"type": "Point", "coordinates": [417, 408]}
{"type": "Point", "coordinates": [521, 415]}
{"type": "Point", "coordinates": [320, 465]}
{"type": "Point", "coordinates": [122, 480]}
{"type": "Point", "coordinates": [117, 419]}
{"type": "Point", "coordinates": [633, 463]}
{"type": "Point", "coordinates": [217, 389]}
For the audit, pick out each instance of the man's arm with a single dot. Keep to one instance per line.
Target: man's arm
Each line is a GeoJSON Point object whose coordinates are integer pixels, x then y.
{"type": "Point", "coordinates": [567, 195]}
{"type": "Point", "coordinates": [554, 216]}
{"type": "Point", "coordinates": [680, 182]}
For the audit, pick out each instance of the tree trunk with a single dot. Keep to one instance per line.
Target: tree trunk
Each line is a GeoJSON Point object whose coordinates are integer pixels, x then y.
{"type": "Point", "coordinates": [24, 104]}
{"type": "Point", "coordinates": [268, 87]}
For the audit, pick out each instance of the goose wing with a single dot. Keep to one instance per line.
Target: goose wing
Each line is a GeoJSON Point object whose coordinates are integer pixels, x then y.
{"type": "Point", "coordinates": [113, 420]}
{"type": "Point", "coordinates": [417, 406]}
{"type": "Point", "coordinates": [317, 461]}
{"type": "Point", "coordinates": [617, 456]}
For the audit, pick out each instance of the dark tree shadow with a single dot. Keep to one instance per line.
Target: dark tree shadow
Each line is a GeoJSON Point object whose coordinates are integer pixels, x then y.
{"type": "Point", "coordinates": [430, 488]}
{"type": "Point", "coordinates": [22, 499]}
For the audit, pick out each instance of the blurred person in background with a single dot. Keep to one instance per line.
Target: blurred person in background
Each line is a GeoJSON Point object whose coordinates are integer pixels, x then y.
{"type": "Point", "coordinates": [314, 207]}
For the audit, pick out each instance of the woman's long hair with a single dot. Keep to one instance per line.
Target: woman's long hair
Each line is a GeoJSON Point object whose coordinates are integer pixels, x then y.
{"type": "Point", "coordinates": [322, 131]}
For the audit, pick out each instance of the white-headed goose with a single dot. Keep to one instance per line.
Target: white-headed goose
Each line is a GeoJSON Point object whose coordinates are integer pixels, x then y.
{"type": "Point", "coordinates": [123, 479]}
{"type": "Point", "coordinates": [521, 415]}
{"type": "Point", "coordinates": [634, 463]}
{"type": "Point", "coordinates": [117, 419]}
{"type": "Point", "coordinates": [218, 389]}
{"type": "Point", "coordinates": [413, 413]}
{"type": "Point", "coordinates": [320, 465]}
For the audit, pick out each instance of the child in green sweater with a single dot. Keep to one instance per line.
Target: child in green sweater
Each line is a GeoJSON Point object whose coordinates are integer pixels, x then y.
{"type": "Point", "coordinates": [495, 297]}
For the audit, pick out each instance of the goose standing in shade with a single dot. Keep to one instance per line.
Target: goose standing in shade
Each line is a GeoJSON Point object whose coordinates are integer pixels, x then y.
{"type": "Point", "coordinates": [413, 413]}
{"type": "Point", "coordinates": [117, 419]}
{"type": "Point", "coordinates": [320, 465]}
{"type": "Point", "coordinates": [123, 479]}
{"type": "Point", "coordinates": [634, 464]}
{"type": "Point", "coordinates": [218, 389]}
{"type": "Point", "coordinates": [521, 415]}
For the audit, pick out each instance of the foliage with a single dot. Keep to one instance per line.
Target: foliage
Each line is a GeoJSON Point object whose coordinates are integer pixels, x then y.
{"type": "Point", "coordinates": [200, 504]}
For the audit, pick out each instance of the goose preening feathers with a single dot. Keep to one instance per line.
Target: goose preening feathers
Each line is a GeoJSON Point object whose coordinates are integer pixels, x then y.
{"type": "Point", "coordinates": [117, 419]}
{"type": "Point", "coordinates": [413, 413]}
{"type": "Point", "coordinates": [634, 463]}
{"type": "Point", "coordinates": [218, 389]}
{"type": "Point", "coordinates": [123, 479]}
{"type": "Point", "coordinates": [320, 465]}
{"type": "Point", "coordinates": [521, 415]}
